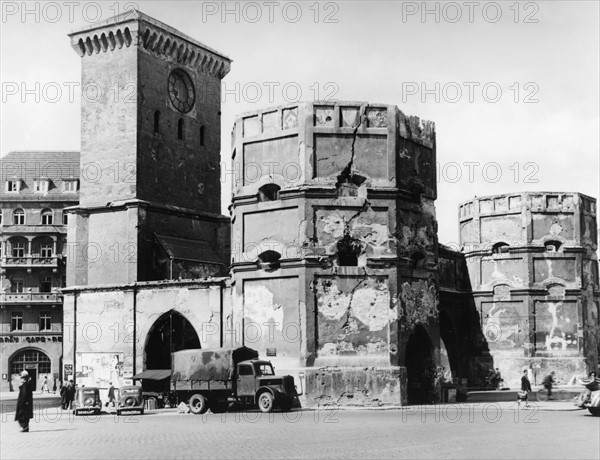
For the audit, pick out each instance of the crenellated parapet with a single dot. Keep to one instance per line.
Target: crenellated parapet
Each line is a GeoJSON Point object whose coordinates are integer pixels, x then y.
{"type": "Point", "coordinates": [134, 28]}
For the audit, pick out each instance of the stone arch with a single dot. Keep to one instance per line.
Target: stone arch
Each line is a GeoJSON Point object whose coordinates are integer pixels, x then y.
{"type": "Point", "coordinates": [34, 360]}
{"type": "Point", "coordinates": [449, 340]}
{"type": "Point", "coordinates": [171, 332]}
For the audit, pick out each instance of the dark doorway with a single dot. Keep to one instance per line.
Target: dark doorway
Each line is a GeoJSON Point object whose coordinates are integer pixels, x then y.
{"type": "Point", "coordinates": [171, 332]}
{"type": "Point", "coordinates": [419, 367]}
{"type": "Point", "coordinates": [450, 340]}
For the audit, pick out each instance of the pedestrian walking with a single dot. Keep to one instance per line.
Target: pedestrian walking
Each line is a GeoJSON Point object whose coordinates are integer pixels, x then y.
{"type": "Point", "coordinates": [111, 395]}
{"type": "Point", "coordinates": [63, 395]}
{"type": "Point", "coordinates": [548, 382]}
{"type": "Point", "coordinates": [523, 395]}
{"type": "Point", "coordinates": [54, 386]}
{"type": "Point", "coordinates": [69, 394]}
{"type": "Point", "coordinates": [24, 403]}
{"type": "Point", "coordinates": [45, 385]}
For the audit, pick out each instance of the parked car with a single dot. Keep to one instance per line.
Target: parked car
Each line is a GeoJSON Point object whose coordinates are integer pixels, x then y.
{"type": "Point", "coordinates": [130, 399]}
{"type": "Point", "coordinates": [87, 399]}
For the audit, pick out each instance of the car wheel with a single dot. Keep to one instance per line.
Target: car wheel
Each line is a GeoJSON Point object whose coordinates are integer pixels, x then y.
{"type": "Point", "coordinates": [198, 404]}
{"type": "Point", "coordinates": [142, 412]}
{"type": "Point", "coordinates": [265, 402]}
{"type": "Point", "coordinates": [595, 411]}
{"type": "Point", "coordinates": [118, 412]}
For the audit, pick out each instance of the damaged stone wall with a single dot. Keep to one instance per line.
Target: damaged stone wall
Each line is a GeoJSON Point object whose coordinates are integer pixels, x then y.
{"type": "Point", "coordinates": [531, 260]}
{"type": "Point", "coordinates": [150, 163]}
{"type": "Point", "coordinates": [351, 219]}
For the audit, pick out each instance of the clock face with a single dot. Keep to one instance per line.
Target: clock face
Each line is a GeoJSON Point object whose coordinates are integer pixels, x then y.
{"type": "Point", "coordinates": [181, 91]}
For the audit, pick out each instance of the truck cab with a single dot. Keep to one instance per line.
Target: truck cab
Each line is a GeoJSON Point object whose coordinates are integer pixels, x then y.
{"type": "Point", "coordinates": [256, 382]}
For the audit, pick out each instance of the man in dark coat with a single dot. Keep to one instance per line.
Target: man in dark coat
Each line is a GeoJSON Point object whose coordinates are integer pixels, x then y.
{"type": "Point", "coordinates": [25, 403]}
{"type": "Point", "coordinates": [70, 393]}
{"type": "Point", "coordinates": [525, 389]}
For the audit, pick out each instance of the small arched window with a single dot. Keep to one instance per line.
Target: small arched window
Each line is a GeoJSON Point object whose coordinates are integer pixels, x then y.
{"type": "Point", "coordinates": [269, 260]}
{"type": "Point", "coordinates": [552, 246]}
{"type": "Point", "coordinates": [157, 122]}
{"type": "Point", "coordinates": [500, 248]}
{"type": "Point", "coordinates": [19, 217]}
{"type": "Point", "coordinates": [202, 134]}
{"type": "Point", "coordinates": [269, 192]}
{"type": "Point", "coordinates": [180, 129]}
{"type": "Point", "coordinates": [47, 217]}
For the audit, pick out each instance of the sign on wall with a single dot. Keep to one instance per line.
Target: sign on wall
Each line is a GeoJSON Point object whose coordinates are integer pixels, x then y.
{"type": "Point", "coordinates": [99, 369]}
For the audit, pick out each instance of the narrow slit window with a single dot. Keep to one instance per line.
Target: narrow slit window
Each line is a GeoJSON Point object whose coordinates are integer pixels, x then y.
{"type": "Point", "coordinates": [180, 129]}
{"type": "Point", "coordinates": [202, 136]}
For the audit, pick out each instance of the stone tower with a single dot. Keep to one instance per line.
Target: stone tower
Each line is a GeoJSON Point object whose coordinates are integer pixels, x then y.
{"type": "Point", "coordinates": [335, 257]}
{"type": "Point", "coordinates": [150, 145]}
{"type": "Point", "coordinates": [533, 267]}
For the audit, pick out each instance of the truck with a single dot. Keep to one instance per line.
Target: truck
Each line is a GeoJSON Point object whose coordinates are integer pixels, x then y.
{"type": "Point", "coordinates": [212, 378]}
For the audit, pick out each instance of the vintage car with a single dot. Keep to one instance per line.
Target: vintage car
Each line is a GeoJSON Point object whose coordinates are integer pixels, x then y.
{"type": "Point", "coordinates": [87, 399]}
{"type": "Point", "coordinates": [130, 399]}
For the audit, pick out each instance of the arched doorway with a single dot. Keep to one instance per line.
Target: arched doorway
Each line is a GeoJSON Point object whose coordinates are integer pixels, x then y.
{"type": "Point", "coordinates": [171, 332]}
{"type": "Point", "coordinates": [449, 352]}
{"type": "Point", "coordinates": [35, 362]}
{"type": "Point", "coordinates": [419, 367]}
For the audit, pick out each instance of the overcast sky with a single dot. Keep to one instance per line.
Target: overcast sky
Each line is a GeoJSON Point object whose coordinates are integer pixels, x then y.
{"type": "Point", "coordinates": [526, 117]}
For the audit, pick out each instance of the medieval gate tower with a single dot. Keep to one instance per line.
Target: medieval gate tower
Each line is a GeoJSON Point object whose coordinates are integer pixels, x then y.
{"type": "Point", "coordinates": [150, 145]}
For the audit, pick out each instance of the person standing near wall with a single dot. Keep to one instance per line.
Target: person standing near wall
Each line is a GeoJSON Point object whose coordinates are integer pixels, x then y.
{"type": "Point", "coordinates": [24, 403]}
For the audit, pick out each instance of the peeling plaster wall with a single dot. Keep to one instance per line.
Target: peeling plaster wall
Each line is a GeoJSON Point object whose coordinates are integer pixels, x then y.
{"type": "Point", "coordinates": [117, 319]}
{"type": "Point", "coordinates": [536, 300]}
{"type": "Point", "coordinates": [353, 317]}
{"type": "Point", "coordinates": [363, 222]}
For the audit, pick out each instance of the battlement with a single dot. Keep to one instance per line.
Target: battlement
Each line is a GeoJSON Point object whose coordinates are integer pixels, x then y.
{"type": "Point", "coordinates": [325, 143]}
{"type": "Point", "coordinates": [528, 219]}
{"type": "Point", "coordinates": [134, 28]}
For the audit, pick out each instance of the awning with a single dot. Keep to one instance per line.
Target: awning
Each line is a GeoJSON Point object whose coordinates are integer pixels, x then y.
{"type": "Point", "coordinates": [153, 374]}
{"type": "Point", "coordinates": [187, 249]}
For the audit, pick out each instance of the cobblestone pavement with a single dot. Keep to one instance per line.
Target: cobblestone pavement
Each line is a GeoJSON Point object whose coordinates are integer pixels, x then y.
{"type": "Point", "coordinates": [493, 430]}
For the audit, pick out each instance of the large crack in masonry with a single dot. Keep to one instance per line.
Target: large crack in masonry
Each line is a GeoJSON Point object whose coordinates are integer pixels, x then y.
{"type": "Point", "coordinates": [346, 326]}
{"type": "Point", "coordinates": [346, 176]}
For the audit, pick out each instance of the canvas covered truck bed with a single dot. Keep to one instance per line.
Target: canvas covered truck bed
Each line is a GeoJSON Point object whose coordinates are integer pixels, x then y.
{"type": "Point", "coordinates": [207, 369]}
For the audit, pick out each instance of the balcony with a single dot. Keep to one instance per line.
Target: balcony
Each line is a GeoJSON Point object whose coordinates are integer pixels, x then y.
{"type": "Point", "coordinates": [33, 261]}
{"type": "Point", "coordinates": [30, 298]}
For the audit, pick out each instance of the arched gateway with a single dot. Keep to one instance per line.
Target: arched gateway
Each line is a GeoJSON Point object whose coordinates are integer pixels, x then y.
{"type": "Point", "coordinates": [170, 332]}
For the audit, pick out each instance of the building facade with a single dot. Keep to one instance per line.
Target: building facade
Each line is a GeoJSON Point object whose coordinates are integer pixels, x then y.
{"type": "Point", "coordinates": [36, 187]}
{"type": "Point", "coordinates": [533, 269]}
{"type": "Point", "coordinates": [335, 273]}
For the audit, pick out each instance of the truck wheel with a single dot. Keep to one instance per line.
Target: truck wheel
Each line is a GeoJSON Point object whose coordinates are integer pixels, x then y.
{"type": "Point", "coordinates": [265, 402]}
{"type": "Point", "coordinates": [198, 404]}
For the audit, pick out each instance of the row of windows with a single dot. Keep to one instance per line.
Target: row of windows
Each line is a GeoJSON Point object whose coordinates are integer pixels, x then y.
{"type": "Point", "coordinates": [16, 321]}
{"type": "Point", "coordinates": [180, 128]}
{"type": "Point", "coordinates": [46, 217]}
{"type": "Point", "coordinates": [42, 185]}
{"type": "Point", "coordinates": [45, 284]}
{"type": "Point", "coordinates": [17, 285]}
